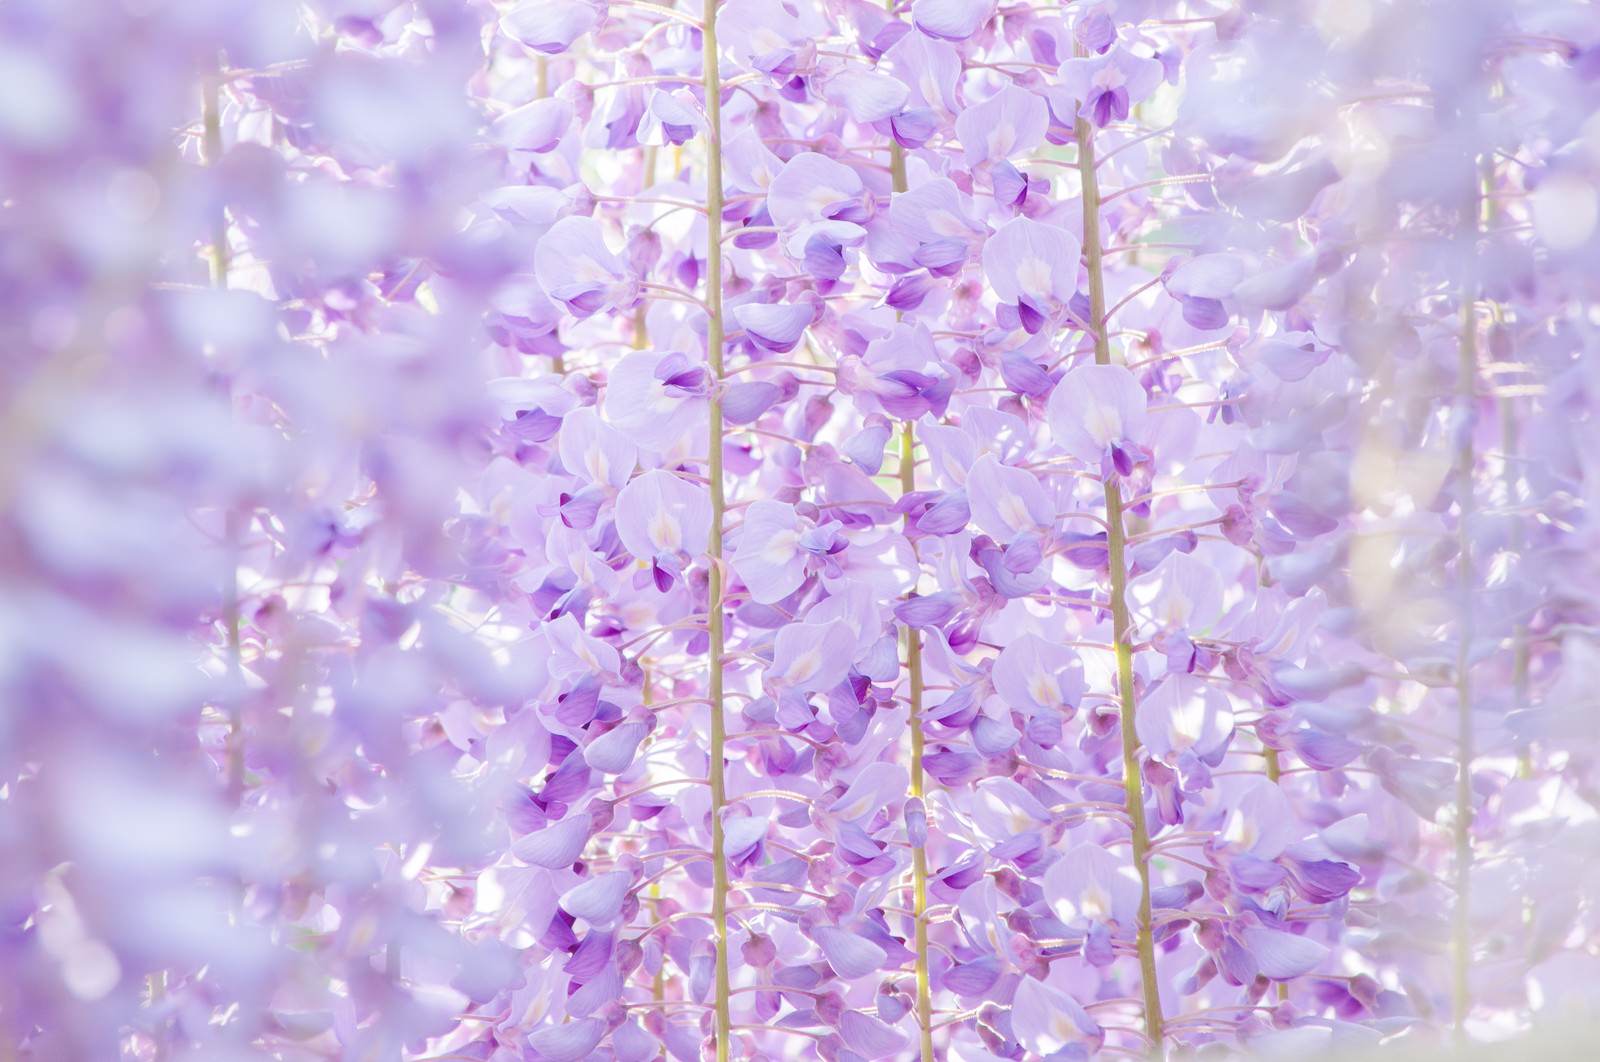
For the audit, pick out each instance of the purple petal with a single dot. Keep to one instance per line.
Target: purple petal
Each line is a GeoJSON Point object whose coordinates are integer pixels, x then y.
{"type": "Point", "coordinates": [549, 26]}
{"type": "Point", "coordinates": [951, 20]}
{"type": "Point", "coordinates": [598, 900]}
{"type": "Point", "coordinates": [555, 846]}
{"type": "Point", "coordinates": [1281, 955]}
{"type": "Point", "coordinates": [1323, 880]}
{"type": "Point", "coordinates": [568, 1043]}
{"type": "Point", "coordinates": [774, 326]}
{"type": "Point", "coordinates": [932, 610]}
{"type": "Point", "coordinates": [1207, 315]}
{"type": "Point", "coordinates": [768, 560]}
{"type": "Point", "coordinates": [613, 751]}
{"type": "Point", "coordinates": [972, 978]}
{"type": "Point", "coordinates": [869, 1037]}
{"type": "Point", "coordinates": [850, 954]}
{"type": "Point", "coordinates": [744, 402]}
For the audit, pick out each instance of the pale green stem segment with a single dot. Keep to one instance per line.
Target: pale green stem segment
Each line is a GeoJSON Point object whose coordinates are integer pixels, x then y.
{"type": "Point", "coordinates": [1121, 626]}
{"type": "Point", "coordinates": [217, 266]}
{"type": "Point", "coordinates": [1509, 442]}
{"type": "Point", "coordinates": [714, 333]}
{"type": "Point", "coordinates": [541, 90]}
{"type": "Point", "coordinates": [1466, 398]}
{"type": "Point", "coordinates": [641, 334]}
{"type": "Point", "coordinates": [919, 854]}
{"type": "Point", "coordinates": [217, 259]}
{"type": "Point", "coordinates": [1275, 772]}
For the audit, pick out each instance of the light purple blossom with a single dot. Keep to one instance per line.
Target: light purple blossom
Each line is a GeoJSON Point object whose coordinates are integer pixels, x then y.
{"type": "Point", "coordinates": [970, 530]}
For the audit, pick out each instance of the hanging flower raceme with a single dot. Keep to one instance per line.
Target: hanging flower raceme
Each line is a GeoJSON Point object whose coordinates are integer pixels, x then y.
{"type": "Point", "coordinates": [577, 530]}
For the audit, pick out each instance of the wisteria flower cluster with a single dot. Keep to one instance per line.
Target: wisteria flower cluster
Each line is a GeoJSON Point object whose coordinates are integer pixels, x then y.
{"type": "Point", "coordinates": [545, 530]}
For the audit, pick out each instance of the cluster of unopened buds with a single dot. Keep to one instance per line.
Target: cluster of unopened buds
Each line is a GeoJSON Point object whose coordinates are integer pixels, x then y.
{"type": "Point", "coordinates": [760, 529]}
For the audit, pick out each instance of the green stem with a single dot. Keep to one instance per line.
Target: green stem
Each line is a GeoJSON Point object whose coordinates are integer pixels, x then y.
{"type": "Point", "coordinates": [1275, 772]}
{"type": "Point", "coordinates": [541, 90]}
{"type": "Point", "coordinates": [1519, 632]}
{"type": "Point", "coordinates": [1121, 624]}
{"type": "Point", "coordinates": [155, 982]}
{"type": "Point", "coordinates": [919, 853]}
{"type": "Point", "coordinates": [641, 335]}
{"type": "Point", "coordinates": [714, 331]}
{"type": "Point", "coordinates": [1466, 382]}
{"type": "Point", "coordinates": [1510, 476]}
{"type": "Point", "coordinates": [217, 260]}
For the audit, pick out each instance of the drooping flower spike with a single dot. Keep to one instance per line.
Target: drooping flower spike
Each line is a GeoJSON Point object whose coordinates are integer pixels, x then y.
{"type": "Point", "coordinates": [590, 529]}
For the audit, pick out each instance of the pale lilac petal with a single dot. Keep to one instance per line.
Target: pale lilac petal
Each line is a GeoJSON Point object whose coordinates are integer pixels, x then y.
{"type": "Point", "coordinates": [549, 26]}
{"type": "Point", "coordinates": [537, 126]}
{"type": "Point", "coordinates": [777, 327]}
{"type": "Point", "coordinates": [598, 900]}
{"type": "Point", "coordinates": [930, 67]}
{"type": "Point", "coordinates": [1091, 883]}
{"type": "Point", "coordinates": [741, 833]}
{"type": "Point", "coordinates": [850, 954]}
{"type": "Point", "coordinates": [1261, 822]}
{"type": "Point", "coordinates": [658, 512]}
{"type": "Point", "coordinates": [1209, 276]}
{"type": "Point", "coordinates": [1002, 809]}
{"type": "Point", "coordinates": [1033, 675]}
{"type": "Point", "coordinates": [810, 188]}
{"type": "Point", "coordinates": [1094, 407]}
{"type": "Point", "coordinates": [972, 978]}
{"type": "Point", "coordinates": [812, 656]}
{"type": "Point", "coordinates": [745, 402]}
{"type": "Point", "coordinates": [633, 1044]}
{"type": "Point", "coordinates": [1028, 258]}
{"type": "Point", "coordinates": [1288, 361]}
{"type": "Point", "coordinates": [555, 847]}
{"type": "Point", "coordinates": [874, 788]}
{"type": "Point", "coordinates": [933, 210]}
{"type": "Point", "coordinates": [1281, 955]}
{"type": "Point", "coordinates": [595, 450]}
{"type": "Point", "coordinates": [1007, 502]}
{"type": "Point", "coordinates": [1183, 713]}
{"type": "Point", "coordinates": [1009, 123]}
{"type": "Point", "coordinates": [1277, 288]}
{"type": "Point", "coordinates": [931, 610]}
{"type": "Point", "coordinates": [768, 559]}
{"type": "Point", "coordinates": [952, 20]}
{"type": "Point", "coordinates": [869, 1037]}
{"type": "Point", "coordinates": [638, 401]}
{"type": "Point", "coordinates": [763, 34]}
{"type": "Point", "coordinates": [568, 1043]}
{"type": "Point", "coordinates": [1184, 592]}
{"type": "Point", "coordinates": [575, 651]}
{"type": "Point", "coordinates": [1045, 1020]}
{"type": "Point", "coordinates": [867, 95]}
{"type": "Point", "coordinates": [613, 751]}
{"type": "Point", "coordinates": [575, 266]}
{"type": "Point", "coordinates": [671, 118]}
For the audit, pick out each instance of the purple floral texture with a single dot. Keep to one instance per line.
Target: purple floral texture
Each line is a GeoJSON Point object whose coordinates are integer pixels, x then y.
{"type": "Point", "coordinates": [563, 529]}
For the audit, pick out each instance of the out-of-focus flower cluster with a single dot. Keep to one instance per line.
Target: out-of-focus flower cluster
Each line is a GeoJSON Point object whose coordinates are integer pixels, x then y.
{"type": "Point", "coordinates": [953, 529]}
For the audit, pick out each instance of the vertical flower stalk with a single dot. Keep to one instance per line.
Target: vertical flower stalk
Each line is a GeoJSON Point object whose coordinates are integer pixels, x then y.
{"type": "Point", "coordinates": [714, 612]}
{"type": "Point", "coordinates": [641, 334]}
{"type": "Point", "coordinates": [919, 851]}
{"type": "Point", "coordinates": [1520, 654]}
{"type": "Point", "coordinates": [1466, 398]}
{"type": "Point", "coordinates": [217, 264]}
{"type": "Point", "coordinates": [1121, 624]}
{"type": "Point", "coordinates": [1274, 774]}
